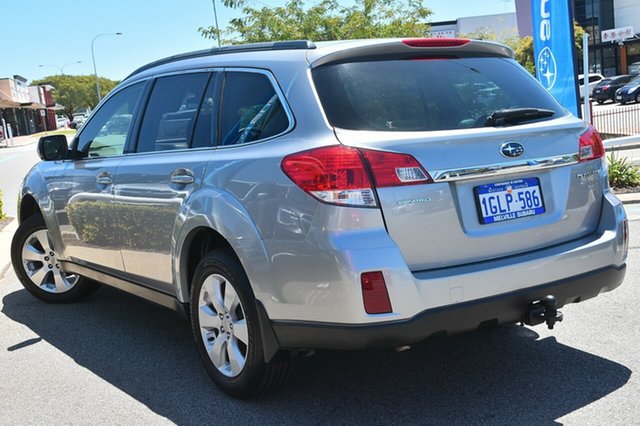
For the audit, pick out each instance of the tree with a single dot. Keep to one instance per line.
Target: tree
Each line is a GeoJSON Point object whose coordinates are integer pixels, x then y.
{"type": "Point", "coordinates": [76, 92]}
{"type": "Point", "coordinates": [326, 20]}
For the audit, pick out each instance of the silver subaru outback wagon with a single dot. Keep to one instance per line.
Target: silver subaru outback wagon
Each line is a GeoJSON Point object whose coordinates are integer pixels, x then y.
{"type": "Point", "coordinates": [294, 196]}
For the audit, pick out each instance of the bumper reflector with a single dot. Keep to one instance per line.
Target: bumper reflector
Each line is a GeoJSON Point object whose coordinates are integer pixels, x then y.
{"type": "Point", "coordinates": [374, 293]}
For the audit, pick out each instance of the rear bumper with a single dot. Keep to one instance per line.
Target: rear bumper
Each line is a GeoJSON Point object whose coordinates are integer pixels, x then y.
{"type": "Point", "coordinates": [452, 319]}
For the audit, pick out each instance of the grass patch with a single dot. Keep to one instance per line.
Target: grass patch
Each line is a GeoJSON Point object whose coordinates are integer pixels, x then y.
{"type": "Point", "coordinates": [55, 132]}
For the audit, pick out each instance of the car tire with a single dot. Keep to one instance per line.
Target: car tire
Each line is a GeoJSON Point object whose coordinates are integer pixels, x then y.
{"type": "Point", "coordinates": [600, 101]}
{"type": "Point", "coordinates": [225, 325]}
{"type": "Point", "coordinates": [38, 268]}
{"type": "Point", "coordinates": [638, 98]}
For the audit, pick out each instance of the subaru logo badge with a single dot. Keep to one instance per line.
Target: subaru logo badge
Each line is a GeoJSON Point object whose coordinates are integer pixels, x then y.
{"type": "Point", "coordinates": [511, 149]}
{"type": "Point", "coordinates": [546, 68]}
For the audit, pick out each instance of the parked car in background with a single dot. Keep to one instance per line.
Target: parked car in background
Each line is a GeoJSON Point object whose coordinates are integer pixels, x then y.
{"type": "Point", "coordinates": [286, 198]}
{"type": "Point", "coordinates": [594, 79]}
{"type": "Point", "coordinates": [78, 120]}
{"type": "Point", "coordinates": [630, 92]}
{"type": "Point", "coordinates": [634, 68]}
{"type": "Point", "coordinates": [62, 121]}
{"type": "Point", "coordinates": [607, 88]}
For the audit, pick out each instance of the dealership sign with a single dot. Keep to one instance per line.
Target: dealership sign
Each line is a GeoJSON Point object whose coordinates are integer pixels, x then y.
{"type": "Point", "coordinates": [617, 34]}
{"type": "Point", "coordinates": [553, 50]}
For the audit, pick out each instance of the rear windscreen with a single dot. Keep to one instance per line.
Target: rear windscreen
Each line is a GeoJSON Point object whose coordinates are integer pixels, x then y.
{"type": "Point", "coordinates": [426, 94]}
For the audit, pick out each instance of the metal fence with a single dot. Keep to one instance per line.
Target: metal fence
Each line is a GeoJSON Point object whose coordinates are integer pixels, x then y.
{"type": "Point", "coordinates": [618, 121]}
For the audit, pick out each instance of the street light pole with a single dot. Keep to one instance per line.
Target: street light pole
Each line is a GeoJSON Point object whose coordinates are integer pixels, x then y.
{"type": "Point", "coordinates": [66, 65]}
{"type": "Point", "coordinates": [61, 69]}
{"type": "Point", "coordinates": [93, 57]}
{"type": "Point", "coordinates": [215, 15]}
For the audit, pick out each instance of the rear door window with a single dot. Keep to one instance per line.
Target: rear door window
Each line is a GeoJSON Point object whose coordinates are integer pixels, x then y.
{"type": "Point", "coordinates": [171, 111]}
{"type": "Point", "coordinates": [251, 109]}
{"type": "Point", "coordinates": [425, 94]}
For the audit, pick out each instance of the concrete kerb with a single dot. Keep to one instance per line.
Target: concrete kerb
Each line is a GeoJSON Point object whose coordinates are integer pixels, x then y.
{"type": "Point", "coordinates": [622, 144]}
{"type": "Point", "coordinates": [6, 235]}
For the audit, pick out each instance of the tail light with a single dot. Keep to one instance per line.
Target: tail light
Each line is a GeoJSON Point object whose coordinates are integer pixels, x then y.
{"type": "Point", "coordinates": [590, 146]}
{"type": "Point", "coordinates": [333, 174]}
{"type": "Point", "coordinates": [374, 293]}
{"type": "Point", "coordinates": [345, 176]}
{"type": "Point", "coordinates": [394, 169]}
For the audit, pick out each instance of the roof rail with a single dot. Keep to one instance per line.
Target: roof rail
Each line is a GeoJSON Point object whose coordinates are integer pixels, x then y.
{"type": "Point", "coordinates": [252, 47]}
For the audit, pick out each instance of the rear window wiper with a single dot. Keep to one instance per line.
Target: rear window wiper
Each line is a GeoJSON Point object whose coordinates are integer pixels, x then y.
{"type": "Point", "coordinates": [509, 116]}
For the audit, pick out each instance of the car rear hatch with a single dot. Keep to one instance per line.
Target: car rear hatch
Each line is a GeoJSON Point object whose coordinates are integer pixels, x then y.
{"type": "Point", "coordinates": [494, 186]}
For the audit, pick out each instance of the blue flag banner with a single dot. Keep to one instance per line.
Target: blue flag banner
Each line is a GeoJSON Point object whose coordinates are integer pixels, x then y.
{"type": "Point", "coordinates": [553, 50]}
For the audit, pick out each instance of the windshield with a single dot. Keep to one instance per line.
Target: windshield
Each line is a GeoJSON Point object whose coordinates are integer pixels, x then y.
{"type": "Point", "coordinates": [426, 94]}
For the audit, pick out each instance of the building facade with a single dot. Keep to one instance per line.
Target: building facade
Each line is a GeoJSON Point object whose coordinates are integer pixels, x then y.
{"type": "Point", "coordinates": [25, 109]}
{"type": "Point", "coordinates": [627, 14]}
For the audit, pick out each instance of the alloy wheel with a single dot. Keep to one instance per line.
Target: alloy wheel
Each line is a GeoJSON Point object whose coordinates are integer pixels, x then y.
{"type": "Point", "coordinates": [41, 264]}
{"type": "Point", "coordinates": [223, 325]}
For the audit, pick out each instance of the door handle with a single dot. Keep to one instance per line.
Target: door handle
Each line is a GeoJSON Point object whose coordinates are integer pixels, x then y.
{"type": "Point", "coordinates": [182, 177]}
{"type": "Point", "coordinates": [104, 179]}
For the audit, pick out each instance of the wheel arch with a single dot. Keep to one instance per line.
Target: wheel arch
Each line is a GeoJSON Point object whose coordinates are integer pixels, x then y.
{"type": "Point", "coordinates": [209, 226]}
{"type": "Point", "coordinates": [28, 207]}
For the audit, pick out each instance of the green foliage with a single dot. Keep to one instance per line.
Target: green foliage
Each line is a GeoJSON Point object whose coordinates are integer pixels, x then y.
{"type": "Point", "coordinates": [524, 54]}
{"type": "Point", "coordinates": [621, 173]}
{"type": "Point", "coordinates": [1, 211]}
{"type": "Point", "coordinates": [137, 227]}
{"type": "Point", "coordinates": [325, 20]}
{"type": "Point", "coordinates": [76, 92]}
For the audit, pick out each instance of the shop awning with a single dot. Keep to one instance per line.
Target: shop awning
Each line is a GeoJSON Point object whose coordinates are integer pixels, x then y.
{"type": "Point", "coordinates": [32, 105]}
{"type": "Point", "coordinates": [8, 104]}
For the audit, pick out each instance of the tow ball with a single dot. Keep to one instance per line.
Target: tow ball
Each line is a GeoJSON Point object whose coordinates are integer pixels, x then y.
{"type": "Point", "coordinates": [543, 310]}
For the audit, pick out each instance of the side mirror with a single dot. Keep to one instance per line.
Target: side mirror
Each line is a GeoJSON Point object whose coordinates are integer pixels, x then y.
{"type": "Point", "coordinates": [53, 147]}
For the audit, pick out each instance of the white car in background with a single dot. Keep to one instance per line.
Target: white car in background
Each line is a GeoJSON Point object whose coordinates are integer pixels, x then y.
{"type": "Point", "coordinates": [78, 120]}
{"type": "Point", "coordinates": [594, 79]}
{"type": "Point", "coordinates": [62, 121]}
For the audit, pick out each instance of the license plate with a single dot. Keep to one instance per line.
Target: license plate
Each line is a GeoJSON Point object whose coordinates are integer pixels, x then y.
{"type": "Point", "coordinates": [514, 199]}
{"type": "Point", "coordinates": [619, 97]}
{"type": "Point", "coordinates": [597, 91]}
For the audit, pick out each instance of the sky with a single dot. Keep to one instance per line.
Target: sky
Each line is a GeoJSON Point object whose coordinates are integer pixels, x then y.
{"type": "Point", "coordinates": [58, 34]}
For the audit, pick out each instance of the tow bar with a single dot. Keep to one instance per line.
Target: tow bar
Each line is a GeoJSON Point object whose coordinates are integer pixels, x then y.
{"type": "Point", "coordinates": [543, 310]}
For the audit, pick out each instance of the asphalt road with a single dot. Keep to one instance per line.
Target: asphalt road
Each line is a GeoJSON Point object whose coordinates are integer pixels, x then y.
{"type": "Point", "coordinates": [115, 359]}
